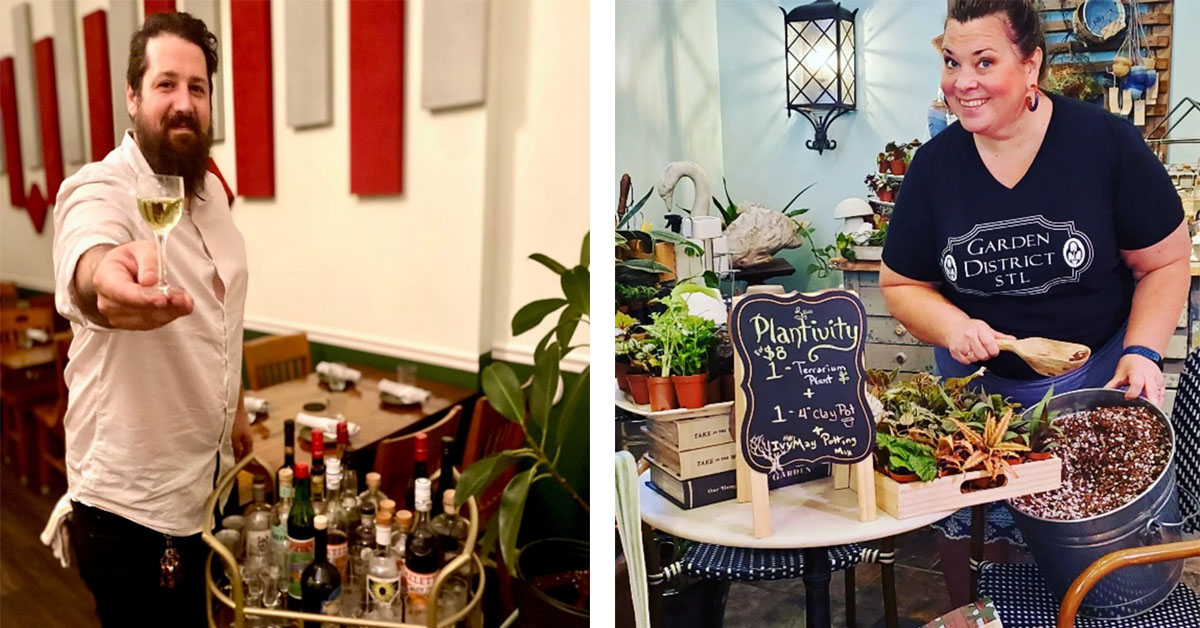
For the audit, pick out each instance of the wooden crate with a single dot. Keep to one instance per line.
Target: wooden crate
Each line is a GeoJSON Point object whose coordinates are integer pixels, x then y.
{"type": "Point", "coordinates": [945, 494]}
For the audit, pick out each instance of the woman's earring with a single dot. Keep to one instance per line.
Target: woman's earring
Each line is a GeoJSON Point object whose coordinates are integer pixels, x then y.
{"type": "Point", "coordinates": [1031, 101]}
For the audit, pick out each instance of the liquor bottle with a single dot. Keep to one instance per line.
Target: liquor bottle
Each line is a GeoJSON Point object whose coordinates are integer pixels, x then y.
{"type": "Point", "coordinates": [420, 467]}
{"type": "Point", "coordinates": [401, 526]}
{"type": "Point", "coordinates": [349, 494]}
{"type": "Point", "coordinates": [258, 522]}
{"type": "Point", "coordinates": [421, 560]}
{"type": "Point", "coordinates": [383, 580]}
{"type": "Point", "coordinates": [320, 583]}
{"type": "Point", "coordinates": [339, 523]}
{"type": "Point", "coordinates": [289, 444]}
{"type": "Point", "coordinates": [362, 545]}
{"type": "Point", "coordinates": [283, 508]}
{"type": "Point", "coordinates": [342, 448]}
{"type": "Point", "coordinates": [318, 472]}
{"type": "Point", "coordinates": [372, 494]}
{"type": "Point", "coordinates": [446, 480]}
{"type": "Point", "coordinates": [300, 537]}
{"type": "Point", "coordinates": [450, 528]}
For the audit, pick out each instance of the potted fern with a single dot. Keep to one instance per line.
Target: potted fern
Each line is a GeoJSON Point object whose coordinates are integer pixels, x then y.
{"type": "Point", "coordinates": [552, 573]}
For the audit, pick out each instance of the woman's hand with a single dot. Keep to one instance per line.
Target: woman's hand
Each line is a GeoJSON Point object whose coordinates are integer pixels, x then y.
{"type": "Point", "coordinates": [1142, 376]}
{"type": "Point", "coordinates": [974, 342]}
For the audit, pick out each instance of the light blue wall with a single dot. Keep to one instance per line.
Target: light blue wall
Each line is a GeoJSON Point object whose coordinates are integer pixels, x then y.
{"type": "Point", "coordinates": [1185, 76]}
{"type": "Point", "coordinates": [765, 156]}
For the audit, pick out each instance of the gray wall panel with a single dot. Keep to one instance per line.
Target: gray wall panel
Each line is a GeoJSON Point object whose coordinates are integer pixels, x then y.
{"type": "Point", "coordinates": [26, 85]}
{"type": "Point", "coordinates": [122, 24]}
{"type": "Point", "coordinates": [210, 12]}
{"type": "Point", "coordinates": [309, 56]}
{"type": "Point", "coordinates": [66, 80]}
{"type": "Point", "coordinates": [454, 59]}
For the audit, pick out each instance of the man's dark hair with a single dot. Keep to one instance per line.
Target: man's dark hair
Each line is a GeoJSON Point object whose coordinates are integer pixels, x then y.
{"type": "Point", "coordinates": [181, 25]}
{"type": "Point", "coordinates": [1024, 23]}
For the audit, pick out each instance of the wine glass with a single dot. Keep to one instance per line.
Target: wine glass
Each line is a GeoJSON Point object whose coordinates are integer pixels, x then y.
{"type": "Point", "coordinates": [160, 203]}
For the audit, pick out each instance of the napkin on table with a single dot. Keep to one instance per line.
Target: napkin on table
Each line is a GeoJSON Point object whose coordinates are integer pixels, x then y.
{"type": "Point", "coordinates": [255, 404]}
{"type": "Point", "coordinates": [329, 369]}
{"type": "Point", "coordinates": [37, 335]}
{"type": "Point", "coordinates": [325, 424]}
{"type": "Point", "coordinates": [405, 392]}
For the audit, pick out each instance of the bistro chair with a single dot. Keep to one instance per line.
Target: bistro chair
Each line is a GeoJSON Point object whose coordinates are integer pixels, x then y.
{"type": "Point", "coordinates": [1020, 594]}
{"type": "Point", "coordinates": [394, 457]}
{"type": "Point", "coordinates": [274, 359]}
{"type": "Point", "coordinates": [51, 439]}
{"type": "Point", "coordinates": [22, 389]}
{"type": "Point", "coordinates": [490, 433]}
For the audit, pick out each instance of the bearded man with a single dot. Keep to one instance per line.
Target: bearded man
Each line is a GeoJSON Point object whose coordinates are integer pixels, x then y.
{"type": "Point", "coordinates": [154, 412]}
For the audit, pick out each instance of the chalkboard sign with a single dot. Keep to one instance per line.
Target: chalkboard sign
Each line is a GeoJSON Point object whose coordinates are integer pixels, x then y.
{"type": "Point", "coordinates": [802, 365]}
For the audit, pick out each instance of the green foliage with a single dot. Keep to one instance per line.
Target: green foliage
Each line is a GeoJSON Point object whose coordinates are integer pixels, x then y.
{"type": "Point", "coordinates": [904, 455]}
{"type": "Point", "coordinates": [545, 425]}
{"type": "Point", "coordinates": [684, 339]}
{"type": "Point", "coordinates": [632, 211]}
{"type": "Point", "coordinates": [629, 294]}
{"type": "Point", "coordinates": [842, 247]}
{"type": "Point", "coordinates": [1040, 430]}
{"type": "Point", "coordinates": [730, 211]}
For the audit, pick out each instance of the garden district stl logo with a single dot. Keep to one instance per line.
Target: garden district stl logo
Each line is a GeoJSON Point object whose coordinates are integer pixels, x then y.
{"type": "Point", "coordinates": [1021, 256]}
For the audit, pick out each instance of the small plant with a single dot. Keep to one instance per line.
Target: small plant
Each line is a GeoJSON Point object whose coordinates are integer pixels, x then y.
{"type": "Point", "coordinates": [1040, 430]}
{"type": "Point", "coordinates": [902, 455]}
{"type": "Point", "coordinates": [624, 343]}
{"type": "Point", "coordinates": [883, 159]}
{"type": "Point", "coordinates": [632, 294]}
{"type": "Point", "coordinates": [670, 328]}
{"type": "Point", "coordinates": [730, 211]}
{"type": "Point", "coordinates": [691, 354]}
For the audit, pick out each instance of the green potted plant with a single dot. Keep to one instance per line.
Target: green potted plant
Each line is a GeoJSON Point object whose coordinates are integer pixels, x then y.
{"type": "Point", "coordinates": [624, 345]}
{"type": "Point", "coordinates": [897, 157]}
{"type": "Point", "coordinates": [690, 360]}
{"type": "Point", "coordinates": [676, 334]}
{"type": "Point", "coordinates": [551, 573]}
{"type": "Point", "coordinates": [644, 356]}
{"type": "Point", "coordinates": [885, 161]}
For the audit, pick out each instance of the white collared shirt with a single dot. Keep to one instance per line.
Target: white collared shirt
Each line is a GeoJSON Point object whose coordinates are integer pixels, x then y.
{"type": "Point", "coordinates": [149, 412]}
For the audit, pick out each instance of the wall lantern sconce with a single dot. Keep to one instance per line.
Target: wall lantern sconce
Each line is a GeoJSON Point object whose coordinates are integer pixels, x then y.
{"type": "Point", "coordinates": [820, 65]}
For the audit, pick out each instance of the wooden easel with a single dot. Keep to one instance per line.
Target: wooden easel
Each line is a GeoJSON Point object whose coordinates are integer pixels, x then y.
{"type": "Point", "coordinates": [752, 485]}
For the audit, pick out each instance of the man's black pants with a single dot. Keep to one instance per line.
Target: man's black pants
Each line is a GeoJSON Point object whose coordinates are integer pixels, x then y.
{"type": "Point", "coordinates": [119, 561]}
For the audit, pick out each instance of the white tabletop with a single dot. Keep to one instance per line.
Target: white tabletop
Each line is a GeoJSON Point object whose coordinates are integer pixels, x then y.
{"type": "Point", "coordinates": [809, 514]}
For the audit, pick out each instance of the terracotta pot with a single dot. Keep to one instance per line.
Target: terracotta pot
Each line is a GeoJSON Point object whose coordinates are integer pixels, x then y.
{"type": "Point", "coordinates": [622, 380]}
{"type": "Point", "coordinates": [898, 166]}
{"type": "Point", "coordinates": [903, 478]}
{"type": "Point", "coordinates": [691, 390]}
{"type": "Point", "coordinates": [1035, 456]}
{"type": "Point", "coordinates": [885, 195]}
{"type": "Point", "coordinates": [662, 394]}
{"type": "Point", "coordinates": [638, 388]}
{"type": "Point", "coordinates": [884, 167]}
{"type": "Point", "coordinates": [727, 388]}
{"type": "Point", "coordinates": [713, 389]}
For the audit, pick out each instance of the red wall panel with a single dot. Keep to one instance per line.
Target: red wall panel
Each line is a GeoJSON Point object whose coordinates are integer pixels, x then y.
{"type": "Point", "coordinates": [159, 6]}
{"type": "Point", "coordinates": [253, 119]}
{"type": "Point", "coordinates": [376, 97]}
{"type": "Point", "coordinates": [12, 134]}
{"type": "Point", "coordinates": [38, 207]}
{"type": "Point", "coordinates": [100, 113]}
{"type": "Point", "coordinates": [47, 95]}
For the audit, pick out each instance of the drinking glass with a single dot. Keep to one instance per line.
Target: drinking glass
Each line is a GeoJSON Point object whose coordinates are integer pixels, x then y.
{"type": "Point", "coordinates": [160, 203]}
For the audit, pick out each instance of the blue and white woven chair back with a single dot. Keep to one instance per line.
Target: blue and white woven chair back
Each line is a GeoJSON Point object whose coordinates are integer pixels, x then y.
{"type": "Point", "coordinates": [1185, 418]}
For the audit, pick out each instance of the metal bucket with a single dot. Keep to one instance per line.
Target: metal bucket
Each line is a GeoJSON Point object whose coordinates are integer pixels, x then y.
{"type": "Point", "coordinates": [1064, 549]}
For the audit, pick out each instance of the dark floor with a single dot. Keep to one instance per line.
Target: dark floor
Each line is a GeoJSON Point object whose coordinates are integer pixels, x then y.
{"type": "Point", "coordinates": [34, 589]}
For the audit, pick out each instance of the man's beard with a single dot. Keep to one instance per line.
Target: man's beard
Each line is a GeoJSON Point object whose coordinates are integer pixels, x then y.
{"type": "Point", "coordinates": [182, 155]}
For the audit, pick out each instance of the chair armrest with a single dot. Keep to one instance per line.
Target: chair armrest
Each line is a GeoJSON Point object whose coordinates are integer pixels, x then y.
{"type": "Point", "coordinates": [1111, 562]}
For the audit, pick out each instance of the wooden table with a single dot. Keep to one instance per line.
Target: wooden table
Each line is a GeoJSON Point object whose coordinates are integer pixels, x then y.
{"type": "Point", "coordinates": [812, 516]}
{"type": "Point", "coordinates": [359, 404]}
{"type": "Point", "coordinates": [37, 355]}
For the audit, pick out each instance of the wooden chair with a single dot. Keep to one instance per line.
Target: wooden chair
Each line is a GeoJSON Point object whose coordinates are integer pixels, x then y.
{"type": "Point", "coordinates": [274, 359]}
{"type": "Point", "coordinates": [51, 439]}
{"type": "Point", "coordinates": [490, 433]}
{"type": "Point", "coordinates": [394, 457]}
{"type": "Point", "coordinates": [21, 390]}
{"type": "Point", "coordinates": [8, 294]}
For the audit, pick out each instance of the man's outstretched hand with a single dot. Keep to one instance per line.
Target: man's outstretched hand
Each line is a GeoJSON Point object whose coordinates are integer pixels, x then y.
{"type": "Point", "coordinates": [120, 273]}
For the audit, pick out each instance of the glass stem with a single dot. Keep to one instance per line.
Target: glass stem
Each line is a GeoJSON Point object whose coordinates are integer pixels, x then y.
{"type": "Point", "coordinates": [161, 238]}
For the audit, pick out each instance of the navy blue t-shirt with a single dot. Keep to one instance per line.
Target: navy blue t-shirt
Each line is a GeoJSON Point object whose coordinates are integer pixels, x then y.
{"type": "Point", "coordinates": [1042, 258]}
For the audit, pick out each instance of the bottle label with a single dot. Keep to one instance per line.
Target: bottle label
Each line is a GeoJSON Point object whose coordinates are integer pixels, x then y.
{"type": "Point", "coordinates": [279, 533]}
{"type": "Point", "coordinates": [383, 590]}
{"type": "Point", "coordinates": [258, 542]}
{"type": "Point", "coordinates": [285, 492]}
{"type": "Point", "coordinates": [300, 554]}
{"type": "Point", "coordinates": [332, 605]}
{"type": "Point", "coordinates": [419, 583]}
{"type": "Point", "coordinates": [338, 554]}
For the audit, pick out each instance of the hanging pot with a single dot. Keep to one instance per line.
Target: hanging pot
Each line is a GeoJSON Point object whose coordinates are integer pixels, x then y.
{"type": "Point", "coordinates": [1098, 21]}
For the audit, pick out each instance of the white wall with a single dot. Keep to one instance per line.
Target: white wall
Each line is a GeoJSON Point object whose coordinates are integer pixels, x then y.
{"type": "Point", "coordinates": [667, 96]}
{"type": "Point", "coordinates": [408, 276]}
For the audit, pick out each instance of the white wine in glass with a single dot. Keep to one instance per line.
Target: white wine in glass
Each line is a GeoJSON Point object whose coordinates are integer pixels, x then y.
{"type": "Point", "coordinates": [160, 203]}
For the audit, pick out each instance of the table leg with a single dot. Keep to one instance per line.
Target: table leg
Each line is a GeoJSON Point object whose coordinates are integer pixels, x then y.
{"type": "Point", "coordinates": [978, 520]}
{"type": "Point", "coordinates": [887, 570]}
{"type": "Point", "coordinates": [816, 587]}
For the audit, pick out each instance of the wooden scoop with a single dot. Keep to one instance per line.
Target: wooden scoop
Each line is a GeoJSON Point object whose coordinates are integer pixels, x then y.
{"type": "Point", "coordinates": [1048, 357]}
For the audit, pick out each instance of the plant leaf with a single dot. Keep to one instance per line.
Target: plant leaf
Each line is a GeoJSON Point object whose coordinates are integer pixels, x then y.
{"type": "Point", "coordinates": [573, 400]}
{"type": "Point", "coordinates": [532, 314]}
{"type": "Point", "coordinates": [635, 209]}
{"type": "Point", "coordinates": [664, 235]}
{"type": "Point", "coordinates": [548, 263]}
{"type": "Point", "coordinates": [785, 207]}
{"type": "Point", "coordinates": [645, 265]}
{"type": "Point", "coordinates": [798, 212]}
{"type": "Point", "coordinates": [512, 509]}
{"type": "Point", "coordinates": [567, 322]}
{"type": "Point", "coordinates": [712, 280]}
{"type": "Point", "coordinates": [487, 544]}
{"type": "Point", "coordinates": [585, 253]}
{"type": "Point", "coordinates": [504, 392]}
{"type": "Point", "coordinates": [476, 478]}
{"type": "Point", "coordinates": [576, 284]}
{"type": "Point", "coordinates": [545, 384]}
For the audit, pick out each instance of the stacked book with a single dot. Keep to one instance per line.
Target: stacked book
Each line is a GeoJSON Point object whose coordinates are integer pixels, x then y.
{"type": "Point", "coordinates": [692, 461]}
